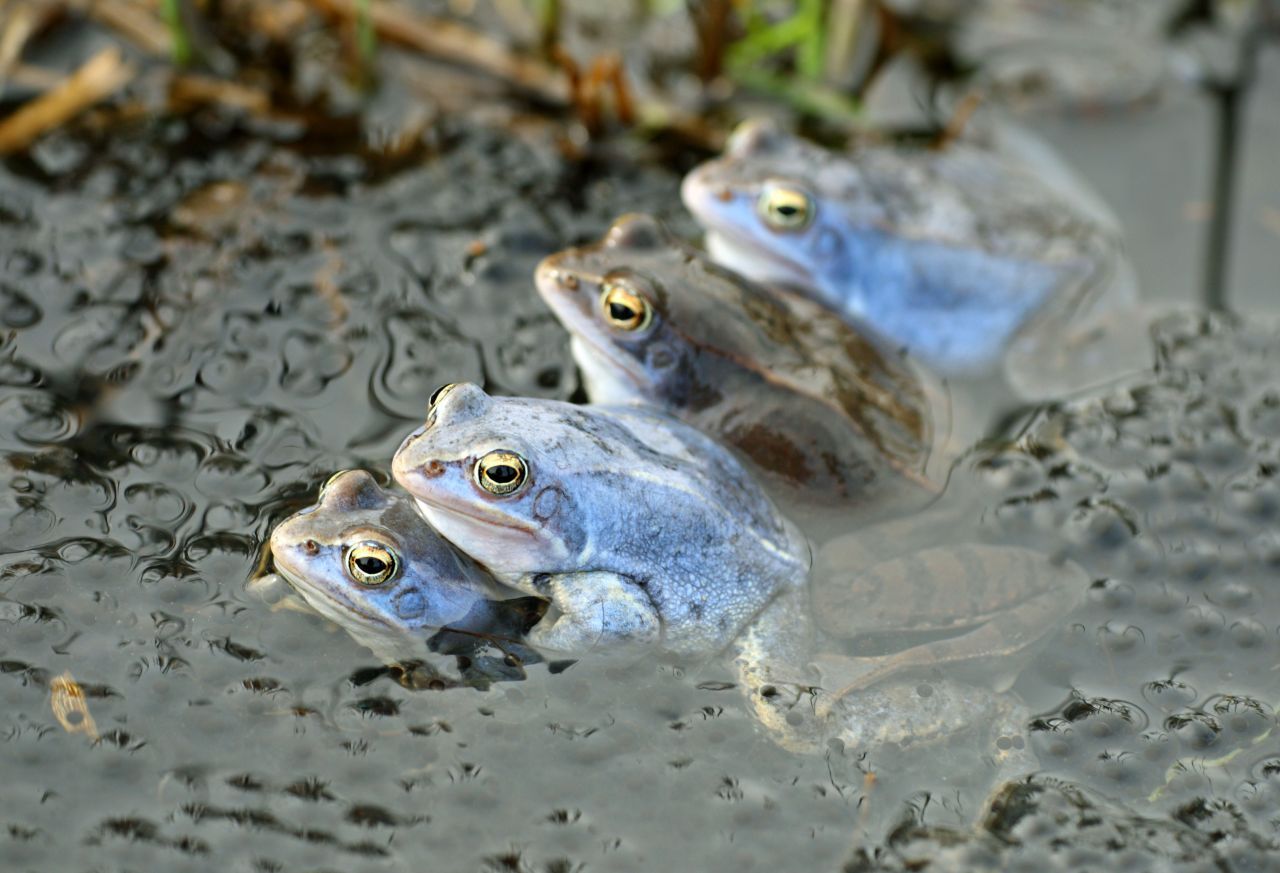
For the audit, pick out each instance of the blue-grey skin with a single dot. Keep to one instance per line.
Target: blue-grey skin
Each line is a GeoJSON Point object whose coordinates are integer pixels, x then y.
{"type": "Point", "coordinates": [636, 527]}
{"type": "Point", "coordinates": [433, 586]}
{"type": "Point", "coordinates": [641, 529]}
{"type": "Point", "coordinates": [804, 398]}
{"type": "Point", "coordinates": [949, 253]}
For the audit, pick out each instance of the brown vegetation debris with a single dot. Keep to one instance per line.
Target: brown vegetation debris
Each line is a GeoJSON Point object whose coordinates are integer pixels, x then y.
{"type": "Point", "coordinates": [100, 77]}
{"type": "Point", "coordinates": [137, 22]}
{"type": "Point", "coordinates": [457, 43]}
{"type": "Point", "coordinates": [190, 91]}
{"type": "Point", "coordinates": [70, 708]}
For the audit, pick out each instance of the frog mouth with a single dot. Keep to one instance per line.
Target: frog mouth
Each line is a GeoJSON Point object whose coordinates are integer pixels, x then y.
{"type": "Point", "coordinates": [605, 354]}
{"type": "Point", "coordinates": [332, 606]}
{"type": "Point", "coordinates": [584, 332]}
{"type": "Point", "coordinates": [750, 258]}
{"type": "Point", "coordinates": [487, 521]}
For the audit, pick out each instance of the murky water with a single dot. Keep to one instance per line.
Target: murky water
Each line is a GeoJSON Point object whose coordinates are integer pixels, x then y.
{"type": "Point", "coordinates": [201, 324]}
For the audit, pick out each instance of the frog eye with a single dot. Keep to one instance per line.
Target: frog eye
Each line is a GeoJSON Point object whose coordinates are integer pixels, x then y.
{"type": "Point", "coordinates": [501, 472]}
{"type": "Point", "coordinates": [371, 564]}
{"type": "Point", "coordinates": [785, 208]}
{"type": "Point", "coordinates": [439, 394]}
{"type": "Point", "coordinates": [624, 308]}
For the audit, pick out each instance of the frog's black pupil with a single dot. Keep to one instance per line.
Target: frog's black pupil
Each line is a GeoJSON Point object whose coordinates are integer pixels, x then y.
{"type": "Point", "coordinates": [787, 210]}
{"type": "Point", "coordinates": [435, 395]}
{"type": "Point", "coordinates": [503, 473]}
{"type": "Point", "coordinates": [621, 312]}
{"type": "Point", "coordinates": [372, 566]}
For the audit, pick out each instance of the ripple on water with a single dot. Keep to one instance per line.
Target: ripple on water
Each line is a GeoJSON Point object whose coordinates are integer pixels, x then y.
{"type": "Point", "coordinates": [30, 418]}
{"type": "Point", "coordinates": [419, 358]}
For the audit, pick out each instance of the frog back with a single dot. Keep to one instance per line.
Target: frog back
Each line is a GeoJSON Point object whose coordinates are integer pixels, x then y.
{"type": "Point", "coordinates": [963, 196]}
{"type": "Point", "coordinates": [686, 522]}
{"type": "Point", "coordinates": [803, 396]}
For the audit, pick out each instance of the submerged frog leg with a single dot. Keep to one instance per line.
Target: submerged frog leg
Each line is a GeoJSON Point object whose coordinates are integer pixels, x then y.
{"type": "Point", "coordinates": [1005, 634]}
{"type": "Point", "coordinates": [595, 608]}
{"type": "Point", "coordinates": [769, 657]}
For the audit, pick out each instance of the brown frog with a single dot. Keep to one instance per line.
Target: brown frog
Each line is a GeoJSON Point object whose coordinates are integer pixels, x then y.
{"type": "Point", "coordinates": [811, 403]}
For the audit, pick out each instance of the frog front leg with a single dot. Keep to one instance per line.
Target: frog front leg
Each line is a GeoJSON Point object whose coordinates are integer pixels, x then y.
{"type": "Point", "coordinates": [596, 608]}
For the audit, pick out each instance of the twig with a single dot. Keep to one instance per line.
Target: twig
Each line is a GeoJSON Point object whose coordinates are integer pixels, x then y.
{"type": "Point", "coordinates": [457, 43]}
{"type": "Point", "coordinates": [137, 24]}
{"type": "Point", "coordinates": [35, 78]}
{"type": "Point", "coordinates": [24, 22]}
{"type": "Point", "coordinates": [186, 91]}
{"type": "Point", "coordinates": [100, 77]}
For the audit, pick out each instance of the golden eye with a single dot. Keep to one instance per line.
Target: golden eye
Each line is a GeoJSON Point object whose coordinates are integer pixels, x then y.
{"type": "Point", "coordinates": [501, 472]}
{"type": "Point", "coordinates": [624, 308]}
{"type": "Point", "coordinates": [785, 208]}
{"type": "Point", "coordinates": [439, 394]}
{"type": "Point", "coordinates": [371, 564]}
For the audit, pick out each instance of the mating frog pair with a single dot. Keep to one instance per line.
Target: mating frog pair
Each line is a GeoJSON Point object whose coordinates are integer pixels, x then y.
{"type": "Point", "coordinates": [643, 531]}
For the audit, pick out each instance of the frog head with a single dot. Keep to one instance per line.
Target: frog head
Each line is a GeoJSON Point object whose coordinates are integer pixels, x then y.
{"type": "Point", "coordinates": [772, 208]}
{"type": "Point", "coordinates": [648, 314]}
{"type": "Point", "coordinates": [497, 476]}
{"type": "Point", "coordinates": [364, 558]}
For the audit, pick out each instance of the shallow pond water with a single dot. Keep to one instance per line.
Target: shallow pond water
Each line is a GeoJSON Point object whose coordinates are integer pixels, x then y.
{"type": "Point", "coordinates": [201, 324]}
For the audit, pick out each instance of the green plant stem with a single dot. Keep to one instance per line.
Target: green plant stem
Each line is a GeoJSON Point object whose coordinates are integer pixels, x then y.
{"type": "Point", "coordinates": [366, 37]}
{"type": "Point", "coordinates": [172, 13]}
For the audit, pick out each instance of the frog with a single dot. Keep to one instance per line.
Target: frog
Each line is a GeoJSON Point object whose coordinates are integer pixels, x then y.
{"type": "Point", "coordinates": [364, 558]}
{"type": "Point", "coordinates": [642, 530]}
{"type": "Point", "coordinates": [967, 258]}
{"type": "Point", "coordinates": [822, 413]}
{"type": "Point", "coordinates": [638, 528]}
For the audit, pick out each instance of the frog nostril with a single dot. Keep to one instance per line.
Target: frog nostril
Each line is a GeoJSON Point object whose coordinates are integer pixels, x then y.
{"type": "Point", "coordinates": [433, 469]}
{"type": "Point", "coordinates": [568, 281]}
{"type": "Point", "coordinates": [724, 195]}
{"type": "Point", "coordinates": [311, 547]}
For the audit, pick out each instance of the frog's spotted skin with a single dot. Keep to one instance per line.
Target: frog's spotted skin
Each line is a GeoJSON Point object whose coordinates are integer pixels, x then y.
{"type": "Point", "coordinates": [636, 526]}
{"type": "Point", "coordinates": [804, 397]}
{"type": "Point", "coordinates": [432, 585]}
{"type": "Point", "coordinates": [949, 253]}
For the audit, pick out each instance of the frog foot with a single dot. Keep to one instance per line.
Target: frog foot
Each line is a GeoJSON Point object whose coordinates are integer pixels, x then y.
{"type": "Point", "coordinates": [595, 608]}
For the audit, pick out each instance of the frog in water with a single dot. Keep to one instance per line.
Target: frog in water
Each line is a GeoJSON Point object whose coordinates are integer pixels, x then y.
{"type": "Point", "coordinates": [635, 526]}
{"type": "Point", "coordinates": [805, 398]}
{"type": "Point", "coordinates": [363, 558]}
{"type": "Point", "coordinates": [639, 528]}
{"type": "Point", "coordinates": [956, 254]}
